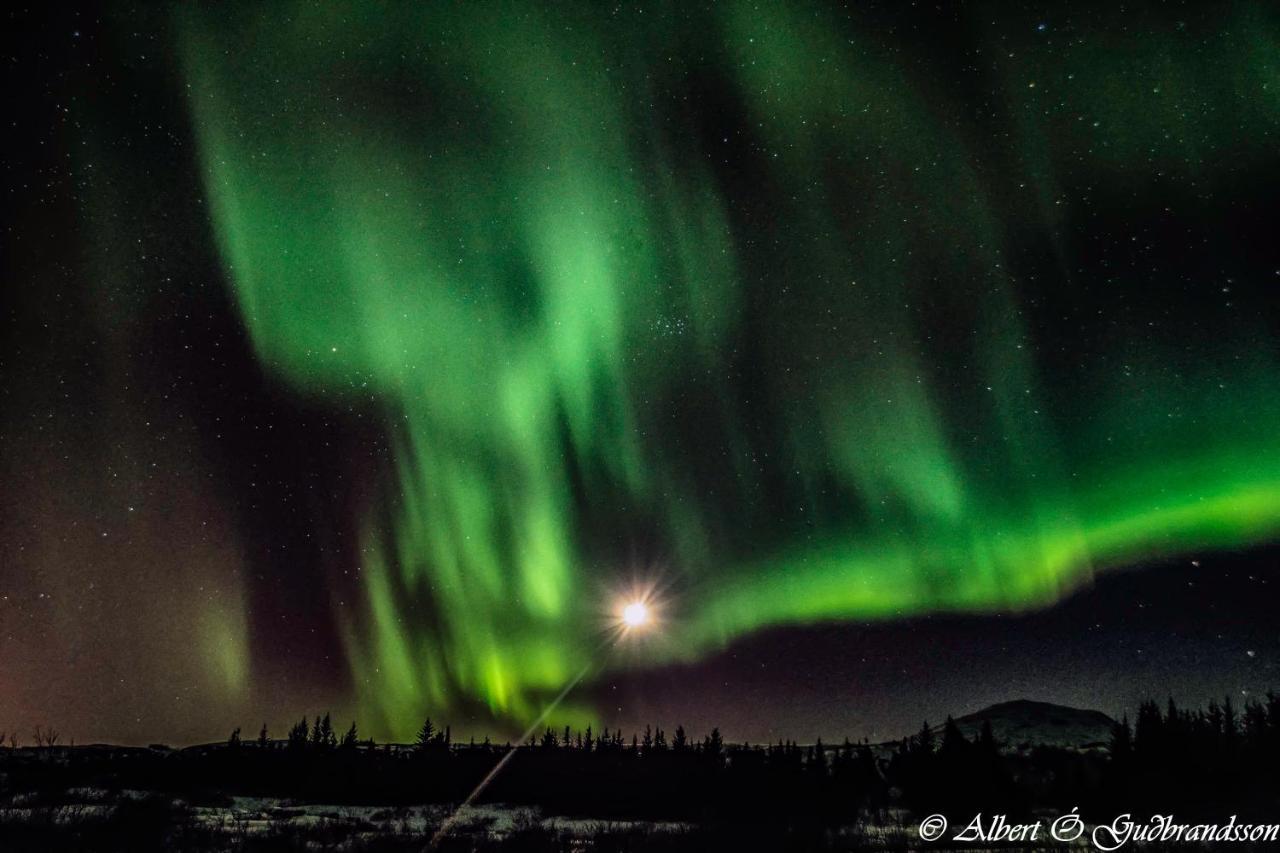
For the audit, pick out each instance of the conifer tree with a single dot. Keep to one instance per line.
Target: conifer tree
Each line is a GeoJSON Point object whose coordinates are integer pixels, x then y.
{"type": "Point", "coordinates": [1121, 740]}
{"type": "Point", "coordinates": [819, 763]}
{"type": "Point", "coordinates": [298, 735]}
{"type": "Point", "coordinates": [987, 740]}
{"type": "Point", "coordinates": [924, 740]}
{"type": "Point", "coordinates": [953, 741]}
{"type": "Point", "coordinates": [426, 734]}
{"type": "Point", "coordinates": [713, 746]}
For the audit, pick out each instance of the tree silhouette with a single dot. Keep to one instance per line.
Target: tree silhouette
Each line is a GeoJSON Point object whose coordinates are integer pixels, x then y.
{"type": "Point", "coordinates": [298, 735]}
{"type": "Point", "coordinates": [46, 737]}
{"type": "Point", "coordinates": [924, 740]}
{"type": "Point", "coordinates": [713, 746]}
{"type": "Point", "coordinates": [1176, 757]}
{"type": "Point", "coordinates": [426, 734]}
{"type": "Point", "coordinates": [953, 741]}
{"type": "Point", "coordinates": [1121, 740]}
{"type": "Point", "coordinates": [1230, 730]}
{"type": "Point", "coordinates": [1148, 730]}
{"type": "Point", "coordinates": [987, 740]}
{"type": "Point", "coordinates": [819, 762]}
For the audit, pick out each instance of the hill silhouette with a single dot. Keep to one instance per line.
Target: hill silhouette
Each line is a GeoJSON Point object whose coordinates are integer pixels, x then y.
{"type": "Point", "coordinates": [1023, 723]}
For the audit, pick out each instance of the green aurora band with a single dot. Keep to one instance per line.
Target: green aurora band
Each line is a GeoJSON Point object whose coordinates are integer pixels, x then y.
{"type": "Point", "coordinates": [812, 387]}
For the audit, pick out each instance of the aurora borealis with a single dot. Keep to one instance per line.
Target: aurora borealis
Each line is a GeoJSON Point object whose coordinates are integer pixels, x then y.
{"type": "Point", "coordinates": [811, 315]}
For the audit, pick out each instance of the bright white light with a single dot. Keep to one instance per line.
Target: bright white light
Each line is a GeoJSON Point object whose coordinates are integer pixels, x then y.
{"type": "Point", "coordinates": [635, 614]}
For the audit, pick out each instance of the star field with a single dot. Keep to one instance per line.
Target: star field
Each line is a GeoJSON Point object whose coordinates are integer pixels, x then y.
{"type": "Point", "coordinates": [360, 359]}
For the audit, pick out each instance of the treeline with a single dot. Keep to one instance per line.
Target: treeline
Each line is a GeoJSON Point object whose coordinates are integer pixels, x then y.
{"type": "Point", "coordinates": [953, 775]}
{"type": "Point", "coordinates": [320, 736]}
{"type": "Point", "coordinates": [1196, 758]}
{"type": "Point", "coordinates": [1194, 762]}
{"type": "Point", "coordinates": [1188, 761]}
{"type": "Point", "coordinates": [652, 774]}
{"type": "Point", "coordinates": [649, 774]}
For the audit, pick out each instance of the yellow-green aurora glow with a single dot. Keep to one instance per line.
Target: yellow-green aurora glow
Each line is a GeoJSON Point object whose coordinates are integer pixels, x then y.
{"type": "Point", "coordinates": [867, 371]}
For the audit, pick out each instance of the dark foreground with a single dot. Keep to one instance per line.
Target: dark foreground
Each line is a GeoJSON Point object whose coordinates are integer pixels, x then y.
{"type": "Point", "coordinates": [581, 792]}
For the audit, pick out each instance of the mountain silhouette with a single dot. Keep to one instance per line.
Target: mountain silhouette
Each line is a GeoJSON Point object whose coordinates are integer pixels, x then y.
{"type": "Point", "coordinates": [1021, 724]}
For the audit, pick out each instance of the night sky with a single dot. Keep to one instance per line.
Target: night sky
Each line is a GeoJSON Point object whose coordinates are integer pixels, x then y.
{"type": "Point", "coordinates": [902, 358]}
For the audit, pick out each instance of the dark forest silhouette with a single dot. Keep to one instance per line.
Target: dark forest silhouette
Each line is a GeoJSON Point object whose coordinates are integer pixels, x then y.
{"type": "Point", "coordinates": [1170, 759]}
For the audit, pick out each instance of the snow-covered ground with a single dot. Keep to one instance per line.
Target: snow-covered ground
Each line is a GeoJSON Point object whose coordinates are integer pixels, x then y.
{"type": "Point", "coordinates": [258, 814]}
{"type": "Point", "coordinates": [239, 821]}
